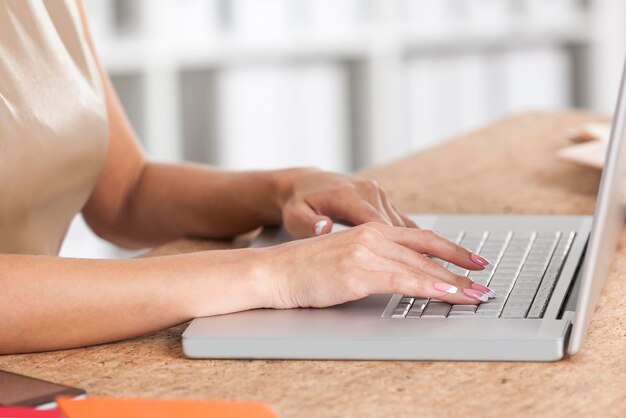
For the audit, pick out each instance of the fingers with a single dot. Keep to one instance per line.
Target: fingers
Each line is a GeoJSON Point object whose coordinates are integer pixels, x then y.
{"type": "Point", "coordinates": [391, 211]}
{"type": "Point", "coordinates": [396, 277]}
{"type": "Point", "coordinates": [409, 222]}
{"type": "Point", "coordinates": [301, 221]}
{"type": "Point", "coordinates": [361, 202]}
{"type": "Point", "coordinates": [356, 211]}
{"type": "Point", "coordinates": [396, 252]}
{"type": "Point", "coordinates": [429, 242]}
{"type": "Point", "coordinates": [418, 275]}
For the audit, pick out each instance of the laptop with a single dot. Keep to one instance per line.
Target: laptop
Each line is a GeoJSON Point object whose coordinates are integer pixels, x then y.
{"type": "Point", "coordinates": [548, 274]}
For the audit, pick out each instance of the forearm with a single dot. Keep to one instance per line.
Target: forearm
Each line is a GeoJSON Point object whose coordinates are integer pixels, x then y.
{"type": "Point", "coordinates": [173, 201]}
{"type": "Point", "coordinates": [52, 303]}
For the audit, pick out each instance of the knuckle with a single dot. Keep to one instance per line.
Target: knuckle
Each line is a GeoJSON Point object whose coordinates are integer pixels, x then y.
{"type": "Point", "coordinates": [409, 283]}
{"type": "Point", "coordinates": [357, 252]}
{"type": "Point", "coordinates": [347, 189]}
{"type": "Point", "coordinates": [396, 282]}
{"type": "Point", "coordinates": [358, 287]}
{"type": "Point", "coordinates": [367, 233]}
{"type": "Point", "coordinates": [419, 284]}
{"type": "Point", "coordinates": [372, 227]}
{"type": "Point", "coordinates": [461, 281]}
{"type": "Point", "coordinates": [429, 236]}
{"type": "Point", "coordinates": [368, 186]}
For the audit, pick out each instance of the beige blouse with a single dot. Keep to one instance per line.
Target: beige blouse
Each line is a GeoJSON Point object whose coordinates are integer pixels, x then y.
{"type": "Point", "coordinates": [53, 123]}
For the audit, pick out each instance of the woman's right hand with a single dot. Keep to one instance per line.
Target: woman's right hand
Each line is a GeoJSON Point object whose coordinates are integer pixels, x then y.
{"type": "Point", "coordinates": [368, 259]}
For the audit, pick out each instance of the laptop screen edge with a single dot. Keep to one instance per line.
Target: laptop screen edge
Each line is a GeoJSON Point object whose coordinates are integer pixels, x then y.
{"type": "Point", "coordinates": [608, 221]}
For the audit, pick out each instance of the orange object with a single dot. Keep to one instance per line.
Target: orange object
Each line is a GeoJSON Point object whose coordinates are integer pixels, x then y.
{"type": "Point", "coordinates": [160, 408]}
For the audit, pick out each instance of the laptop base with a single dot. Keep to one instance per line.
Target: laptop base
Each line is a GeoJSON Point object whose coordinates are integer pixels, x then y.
{"type": "Point", "coordinates": [359, 331]}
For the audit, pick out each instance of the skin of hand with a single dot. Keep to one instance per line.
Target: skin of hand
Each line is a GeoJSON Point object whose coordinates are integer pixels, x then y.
{"type": "Point", "coordinates": [372, 258]}
{"type": "Point", "coordinates": [316, 198]}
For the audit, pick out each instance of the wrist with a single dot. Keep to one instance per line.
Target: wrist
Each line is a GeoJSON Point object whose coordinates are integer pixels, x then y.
{"type": "Point", "coordinates": [228, 281]}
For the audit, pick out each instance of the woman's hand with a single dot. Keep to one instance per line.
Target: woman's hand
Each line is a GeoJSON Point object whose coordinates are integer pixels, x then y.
{"type": "Point", "coordinates": [312, 199]}
{"type": "Point", "coordinates": [369, 259]}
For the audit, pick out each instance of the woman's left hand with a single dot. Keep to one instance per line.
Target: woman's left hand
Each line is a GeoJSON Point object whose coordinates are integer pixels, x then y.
{"type": "Point", "coordinates": [313, 199]}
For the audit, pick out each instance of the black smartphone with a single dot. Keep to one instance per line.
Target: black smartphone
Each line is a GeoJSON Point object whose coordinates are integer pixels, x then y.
{"type": "Point", "coordinates": [19, 390]}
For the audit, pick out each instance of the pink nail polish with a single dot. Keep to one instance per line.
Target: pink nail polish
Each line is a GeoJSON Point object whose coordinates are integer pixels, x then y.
{"type": "Point", "coordinates": [472, 293]}
{"type": "Point", "coordinates": [481, 261]}
{"type": "Point", "coordinates": [445, 287]}
{"type": "Point", "coordinates": [483, 289]}
{"type": "Point", "coordinates": [319, 227]}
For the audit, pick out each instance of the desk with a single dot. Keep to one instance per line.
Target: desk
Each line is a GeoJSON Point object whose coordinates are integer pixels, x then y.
{"type": "Point", "coordinates": [508, 167]}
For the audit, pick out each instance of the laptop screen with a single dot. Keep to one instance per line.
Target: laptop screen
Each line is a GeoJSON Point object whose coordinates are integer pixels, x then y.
{"type": "Point", "coordinates": [608, 222]}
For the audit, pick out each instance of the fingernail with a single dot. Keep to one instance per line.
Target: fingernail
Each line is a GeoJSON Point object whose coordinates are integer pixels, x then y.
{"type": "Point", "coordinates": [481, 261]}
{"type": "Point", "coordinates": [476, 295]}
{"type": "Point", "coordinates": [445, 287]}
{"type": "Point", "coordinates": [319, 226]}
{"type": "Point", "coordinates": [483, 289]}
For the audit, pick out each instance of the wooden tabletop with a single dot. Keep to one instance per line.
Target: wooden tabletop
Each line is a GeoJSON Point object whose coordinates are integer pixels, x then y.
{"type": "Point", "coordinates": [508, 167]}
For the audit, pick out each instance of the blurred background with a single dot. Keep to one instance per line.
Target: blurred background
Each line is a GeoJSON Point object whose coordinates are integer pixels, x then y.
{"type": "Point", "coordinates": [342, 84]}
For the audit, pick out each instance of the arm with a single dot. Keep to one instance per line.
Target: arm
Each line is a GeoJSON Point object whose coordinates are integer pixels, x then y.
{"type": "Point", "coordinates": [53, 303]}
{"type": "Point", "coordinates": [137, 203]}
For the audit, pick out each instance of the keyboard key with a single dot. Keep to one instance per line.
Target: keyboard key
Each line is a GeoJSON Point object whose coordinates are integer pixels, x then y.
{"type": "Point", "coordinates": [515, 302]}
{"type": "Point", "coordinates": [524, 293]}
{"type": "Point", "coordinates": [403, 306]}
{"type": "Point", "coordinates": [462, 314]}
{"type": "Point", "coordinates": [514, 312]}
{"type": "Point", "coordinates": [486, 314]}
{"type": "Point", "coordinates": [419, 303]}
{"type": "Point", "coordinates": [399, 313]}
{"type": "Point", "coordinates": [549, 280]}
{"type": "Point", "coordinates": [417, 308]}
{"type": "Point", "coordinates": [490, 306]}
{"type": "Point", "coordinates": [436, 310]}
{"type": "Point", "coordinates": [463, 308]}
{"type": "Point", "coordinates": [525, 268]}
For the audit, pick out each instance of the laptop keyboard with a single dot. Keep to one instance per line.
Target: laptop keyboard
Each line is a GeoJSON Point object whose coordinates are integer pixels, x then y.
{"type": "Point", "coordinates": [525, 269]}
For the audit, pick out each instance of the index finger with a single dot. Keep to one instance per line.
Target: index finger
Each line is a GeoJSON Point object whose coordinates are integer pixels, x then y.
{"type": "Point", "coordinates": [429, 242]}
{"type": "Point", "coordinates": [355, 211]}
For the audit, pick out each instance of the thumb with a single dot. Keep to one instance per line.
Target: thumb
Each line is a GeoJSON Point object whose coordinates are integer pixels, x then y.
{"type": "Point", "coordinates": [302, 221]}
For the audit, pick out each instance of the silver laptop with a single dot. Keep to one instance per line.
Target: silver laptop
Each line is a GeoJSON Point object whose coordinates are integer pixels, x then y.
{"type": "Point", "coordinates": [548, 274]}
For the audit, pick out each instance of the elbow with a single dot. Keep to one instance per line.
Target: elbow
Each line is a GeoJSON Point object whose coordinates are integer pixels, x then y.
{"type": "Point", "coordinates": [116, 235]}
{"type": "Point", "coordinates": [109, 229]}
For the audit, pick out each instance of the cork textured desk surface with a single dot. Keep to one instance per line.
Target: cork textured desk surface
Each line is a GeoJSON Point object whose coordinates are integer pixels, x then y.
{"type": "Point", "coordinates": [508, 167]}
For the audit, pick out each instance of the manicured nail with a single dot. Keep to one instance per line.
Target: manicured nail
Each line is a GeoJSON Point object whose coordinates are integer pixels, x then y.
{"type": "Point", "coordinates": [445, 287]}
{"type": "Point", "coordinates": [483, 289]}
{"type": "Point", "coordinates": [481, 261]}
{"type": "Point", "coordinates": [476, 295]}
{"type": "Point", "coordinates": [319, 226]}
